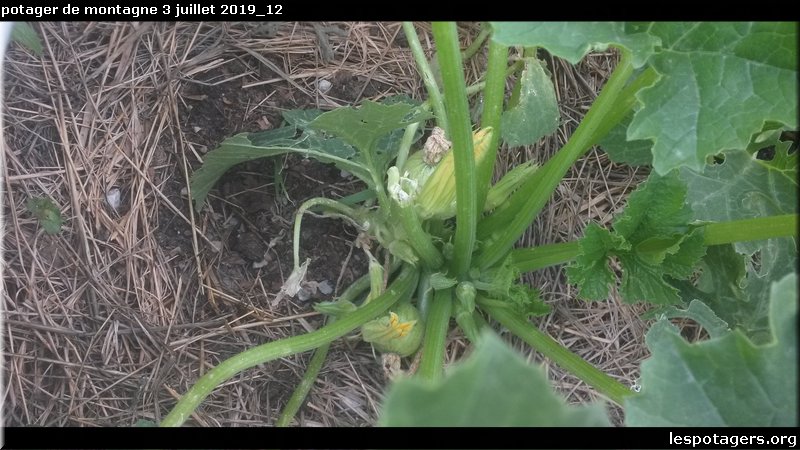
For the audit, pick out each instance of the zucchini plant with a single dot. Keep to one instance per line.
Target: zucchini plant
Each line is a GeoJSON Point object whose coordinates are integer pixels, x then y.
{"type": "Point", "coordinates": [711, 235]}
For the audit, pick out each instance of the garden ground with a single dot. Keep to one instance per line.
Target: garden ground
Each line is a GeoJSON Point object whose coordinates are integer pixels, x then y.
{"type": "Point", "coordinates": [111, 320]}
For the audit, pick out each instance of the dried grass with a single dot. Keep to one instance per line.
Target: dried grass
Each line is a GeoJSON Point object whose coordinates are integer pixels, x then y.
{"type": "Point", "coordinates": [105, 323]}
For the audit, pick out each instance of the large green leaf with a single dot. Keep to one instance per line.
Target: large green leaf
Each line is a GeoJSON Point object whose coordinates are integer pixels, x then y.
{"type": "Point", "coordinates": [698, 312]}
{"type": "Point", "coordinates": [720, 82]}
{"type": "Point", "coordinates": [573, 40]}
{"type": "Point", "coordinates": [363, 127]}
{"type": "Point", "coordinates": [536, 113]}
{"type": "Point", "coordinates": [621, 150]}
{"type": "Point", "coordinates": [590, 271]}
{"type": "Point", "coordinates": [721, 286]}
{"type": "Point", "coordinates": [725, 381]}
{"type": "Point", "coordinates": [342, 137]}
{"type": "Point", "coordinates": [653, 241]}
{"type": "Point", "coordinates": [249, 146]}
{"type": "Point", "coordinates": [494, 387]}
{"type": "Point", "coordinates": [742, 187]}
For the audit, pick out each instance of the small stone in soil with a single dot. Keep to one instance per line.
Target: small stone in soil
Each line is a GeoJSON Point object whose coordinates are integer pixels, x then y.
{"type": "Point", "coordinates": [325, 287]}
{"type": "Point", "coordinates": [303, 294]}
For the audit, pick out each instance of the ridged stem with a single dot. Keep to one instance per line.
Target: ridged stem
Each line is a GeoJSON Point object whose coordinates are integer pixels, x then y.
{"type": "Point", "coordinates": [401, 288]}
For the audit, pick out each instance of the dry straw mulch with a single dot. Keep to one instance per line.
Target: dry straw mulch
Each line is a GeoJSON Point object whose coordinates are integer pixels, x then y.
{"type": "Point", "coordinates": [107, 322]}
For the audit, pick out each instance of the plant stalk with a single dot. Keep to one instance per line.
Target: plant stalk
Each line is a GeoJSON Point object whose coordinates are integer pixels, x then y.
{"type": "Point", "coordinates": [434, 95]}
{"type": "Point", "coordinates": [530, 259]}
{"type": "Point", "coordinates": [559, 354]}
{"type": "Point", "coordinates": [302, 389]}
{"type": "Point", "coordinates": [401, 288]}
{"type": "Point", "coordinates": [436, 326]}
{"type": "Point", "coordinates": [318, 360]}
{"type": "Point", "coordinates": [533, 194]}
{"type": "Point", "coordinates": [341, 208]}
{"type": "Point", "coordinates": [492, 113]}
{"type": "Point", "coordinates": [473, 48]}
{"type": "Point", "coordinates": [445, 34]}
{"type": "Point", "coordinates": [419, 240]}
{"type": "Point", "coordinates": [717, 233]}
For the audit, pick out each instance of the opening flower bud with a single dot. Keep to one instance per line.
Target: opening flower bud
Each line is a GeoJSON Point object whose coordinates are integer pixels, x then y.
{"type": "Point", "coordinates": [402, 189]}
{"type": "Point", "coordinates": [437, 197]}
{"type": "Point", "coordinates": [398, 332]}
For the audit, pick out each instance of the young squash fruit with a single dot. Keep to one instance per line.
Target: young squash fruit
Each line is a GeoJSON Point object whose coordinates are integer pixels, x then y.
{"type": "Point", "coordinates": [398, 332]}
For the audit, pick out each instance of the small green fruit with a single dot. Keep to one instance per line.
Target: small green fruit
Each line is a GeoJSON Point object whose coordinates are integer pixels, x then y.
{"type": "Point", "coordinates": [398, 332]}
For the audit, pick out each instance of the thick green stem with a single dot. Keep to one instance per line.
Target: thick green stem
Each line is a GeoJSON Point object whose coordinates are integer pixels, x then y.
{"type": "Point", "coordinates": [408, 139]}
{"type": "Point", "coordinates": [473, 48]}
{"type": "Point", "coordinates": [315, 365]}
{"type": "Point", "coordinates": [419, 240]}
{"type": "Point", "coordinates": [750, 229]}
{"type": "Point", "coordinates": [434, 95]}
{"type": "Point", "coordinates": [533, 195]}
{"type": "Point", "coordinates": [718, 233]}
{"type": "Point", "coordinates": [302, 389]}
{"type": "Point", "coordinates": [481, 85]}
{"type": "Point", "coordinates": [408, 136]}
{"type": "Point", "coordinates": [358, 197]}
{"type": "Point", "coordinates": [460, 133]}
{"type": "Point", "coordinates": [436, 327]}
{"type": "Point", "coordinates": [424, 295]}
{"type": "Point", "coordinates": [405, 145]}
{"type": "Point", "coordinates": [492, 112]}
{"type": "Point", "coordinates": [625, 102]}
{"type": "Point", "coordinates": [530, 259]}
{"type": "Point", "coordinates": [401, 288]}
{"type": "Point", "coordinates": [559, 354]}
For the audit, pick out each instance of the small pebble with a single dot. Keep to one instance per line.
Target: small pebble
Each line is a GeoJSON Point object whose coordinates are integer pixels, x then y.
{"type": "Point", "coordinates": [325, 287]}
{"type": "Point", "coordinates": [113, 197]}
{"type": "Point", "coordinates": [324, 86]}
{"type": "Point", "coordinates": [303, 294]}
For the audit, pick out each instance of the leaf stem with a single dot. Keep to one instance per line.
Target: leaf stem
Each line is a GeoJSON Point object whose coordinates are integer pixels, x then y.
{"type": "Point", "coordinates": [476, 45]}
{"type": "Point", "coordinates": [756, 229]}
{"type": "Point", "coordinates": [530, 259]}
{"type": "Point", "coordinates": [533, 194]}
{"type": "Point", "coordinates": [445, 34]}
{"type": "Point", "coordinates": [559, 354]}
{"type": "Point", "coordinates": [401, 288]}
{"type": "Point", "coordinates": [717, 233]}
{"type": "Point", "coordinates": [302, 389]}
{"type": "Point", "coordinates": [434, 95]}
{"type": "Point", "coordinates": [436, 326]}
{"type": "Point", "coordinates": [492, 112]}
{"type": "Point", "coordinates": [343, 209]}
{"type": "Point", "coordinates": [419, 240]}
{"type": "Point", "coordinates": [315, 365]}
